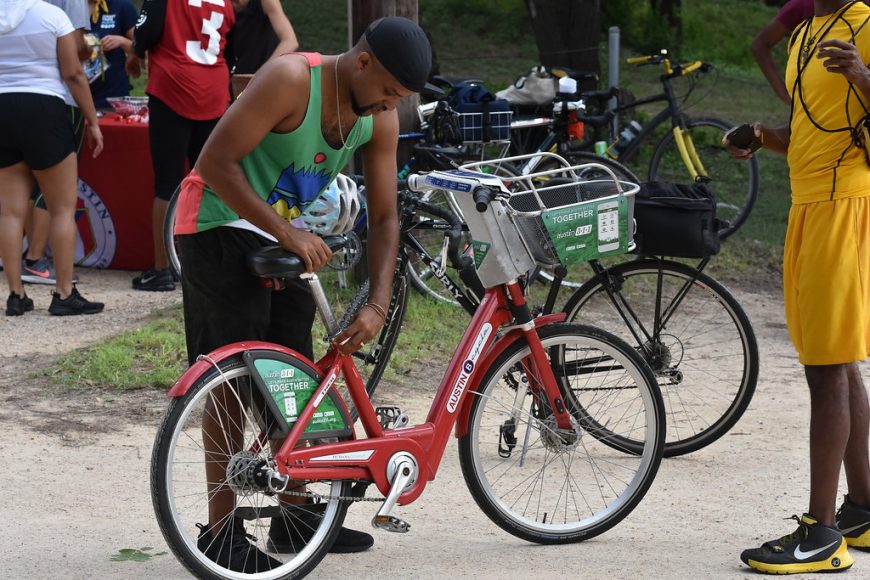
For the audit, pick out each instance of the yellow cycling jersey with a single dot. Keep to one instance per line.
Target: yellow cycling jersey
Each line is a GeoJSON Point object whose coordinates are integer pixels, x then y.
{"type": "Point", "coordinates": [826, 165]}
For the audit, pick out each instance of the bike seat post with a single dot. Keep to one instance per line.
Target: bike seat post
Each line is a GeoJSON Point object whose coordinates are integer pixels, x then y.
{"type": "Point", "coordinates": [322, 304]}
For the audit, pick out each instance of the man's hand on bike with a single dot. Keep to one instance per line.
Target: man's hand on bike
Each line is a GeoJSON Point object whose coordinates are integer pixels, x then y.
{"type": "Point", "coordinates": [365, 326]}
{"type": "Point", "coordinates": [309, 247]}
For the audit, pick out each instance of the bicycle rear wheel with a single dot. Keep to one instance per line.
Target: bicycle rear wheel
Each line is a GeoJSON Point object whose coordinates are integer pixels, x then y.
{"type": "Point", "coordinates": [734, 182]}
{"type": "Point", "coordinates": [169, 234]}
{"type": "Point", "coordinates": [551, 486]}
{"type": "Point", "coordinates": [209, 449]}
{"type": "Point", "coordinates": [372, 360]}
{"type": "Point", "coordinates": [702, 350]}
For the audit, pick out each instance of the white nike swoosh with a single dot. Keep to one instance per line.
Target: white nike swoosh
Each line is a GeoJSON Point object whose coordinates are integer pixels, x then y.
{"type": "Point", "coordinates": [801, 555]}
{"type": "Point", "coordinates": [853, 528]}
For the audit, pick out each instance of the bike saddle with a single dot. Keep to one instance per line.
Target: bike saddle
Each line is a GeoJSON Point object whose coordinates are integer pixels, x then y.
{"type": "Point", "coordinates": [276, 262]}
{"type": "Point", "coordinates": [577, 75]}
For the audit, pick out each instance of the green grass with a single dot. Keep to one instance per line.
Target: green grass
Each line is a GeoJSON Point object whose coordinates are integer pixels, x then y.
{"type": "Point", "coordinates": [152, 356]}
{"type": "Point", "coordinates": [499, 50]}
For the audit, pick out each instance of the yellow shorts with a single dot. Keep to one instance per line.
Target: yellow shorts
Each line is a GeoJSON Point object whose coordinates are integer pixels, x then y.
{"type": "Point", "coordinates": [826, 280]}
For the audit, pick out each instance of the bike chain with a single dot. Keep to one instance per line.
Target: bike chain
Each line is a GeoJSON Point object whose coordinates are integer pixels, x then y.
{"type": "Point", "coordinates": [317, 497]}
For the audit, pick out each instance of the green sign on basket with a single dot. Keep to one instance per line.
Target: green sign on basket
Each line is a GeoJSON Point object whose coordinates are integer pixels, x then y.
{"type": "Point", "coordinates": [291, 389]}
{"type": "Point", "coordinates": [589, 230]}
{"type": "Point", "coordinates": [479, 250]}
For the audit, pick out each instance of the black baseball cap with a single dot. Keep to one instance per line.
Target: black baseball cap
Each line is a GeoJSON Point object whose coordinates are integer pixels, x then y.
{"type": "Point", "coordinates": [403, 49]}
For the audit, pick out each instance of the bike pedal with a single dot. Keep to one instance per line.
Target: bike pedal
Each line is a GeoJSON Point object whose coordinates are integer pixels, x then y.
{"type": "Point", "coordinates": [391, 524]}
{"type": "Point", "coordinates": [391, 417]}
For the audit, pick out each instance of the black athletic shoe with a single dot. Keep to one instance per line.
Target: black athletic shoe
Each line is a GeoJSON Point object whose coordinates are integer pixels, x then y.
{"type": "Point", "coordinates": [16, 305]}
{"type": "Point", "coordinates": [854, 523]}
{"type": "Point", "coordinates": [155, 280]}
{"type": "Point", "coordinates": [73, 304]}
{"type": "Point", "coordinates": [232, 548]}
{"type": "Point", "coordinates": [811, 548]}
{"type": "Point", "coordinates": [292, 531]}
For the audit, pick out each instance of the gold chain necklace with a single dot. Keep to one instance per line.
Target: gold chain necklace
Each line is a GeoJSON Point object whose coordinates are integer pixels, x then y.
{"type": "Point", "coordinates": [338, 110]}
{"type": "Point", "coordinates": [807, 48]}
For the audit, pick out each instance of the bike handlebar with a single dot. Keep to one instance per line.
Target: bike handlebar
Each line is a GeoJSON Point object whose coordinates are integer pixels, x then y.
{"type": "Point", "coordinates": [482, 197]}
{"type": "Point", "coordinates": [671, 70]}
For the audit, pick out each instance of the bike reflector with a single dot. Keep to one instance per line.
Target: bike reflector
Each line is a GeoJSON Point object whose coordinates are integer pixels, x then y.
{"type": "Point", "coordinates": [284, 386]}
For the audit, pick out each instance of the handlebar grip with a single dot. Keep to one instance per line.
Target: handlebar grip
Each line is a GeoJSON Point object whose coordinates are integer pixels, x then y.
{"type": "Point", "coordinates": [639, 59]}
{"type": "Point", "coordinates": [596, 120]}
{"type": "Point", "coordinates": [482, 197]}
{"type": "Point", "coordinates": [604, 95]}
{"type": "Point", "coordinates": [691, 67]}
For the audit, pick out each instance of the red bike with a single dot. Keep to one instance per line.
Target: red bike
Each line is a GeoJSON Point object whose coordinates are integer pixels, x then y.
{"type": "Point", "coordinates": [560, 426]}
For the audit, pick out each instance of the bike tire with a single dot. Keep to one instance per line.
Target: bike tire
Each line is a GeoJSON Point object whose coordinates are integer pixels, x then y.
{"type": "Point", "coordinates": [585, 489]}
{"type": "Point", "coordinates": [180, 486]}
{"type": "Point", "coordinates": [734, 182]}
{"type": "Point", "coordinates": [372, 361]}
{"type": "Point", "coordinates": [706, 360]}
{"type": "Point", "coordinates": [169, 234]}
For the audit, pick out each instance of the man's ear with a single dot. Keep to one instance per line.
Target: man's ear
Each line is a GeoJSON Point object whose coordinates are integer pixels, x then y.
{"type": "Point", "coordinates": [363, 60]}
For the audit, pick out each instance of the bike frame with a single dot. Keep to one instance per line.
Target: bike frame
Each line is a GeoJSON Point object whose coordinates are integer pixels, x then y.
{"type": "Point", "coordinates": [368, 459]}
{"type": "Point", "coordinates": [682, 137]}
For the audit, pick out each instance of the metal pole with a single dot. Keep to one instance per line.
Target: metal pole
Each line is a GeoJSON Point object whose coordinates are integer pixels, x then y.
{"type": "Point", "coordinates": [613, 72]}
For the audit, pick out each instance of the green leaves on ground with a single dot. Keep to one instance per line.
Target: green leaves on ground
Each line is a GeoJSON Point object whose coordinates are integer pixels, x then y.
{"type": "Point", "coordinates": [135, 554]}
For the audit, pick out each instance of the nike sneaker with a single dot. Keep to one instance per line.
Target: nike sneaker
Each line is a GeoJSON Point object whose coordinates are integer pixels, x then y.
{"type": "Point", "coordinates": [155, 281]}
{"type": "Point", "coordinates": [39, 271]}
{"type": "Point", "coordinates": [811, 548]}
{"type": "Point", "coordinates": [854, 523]}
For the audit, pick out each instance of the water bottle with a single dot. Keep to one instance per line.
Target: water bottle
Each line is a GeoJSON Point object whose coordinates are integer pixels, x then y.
{"type": "Point", "coordinates": [627, 136]}
{"type": "Point", "coordinates": [567, 88]}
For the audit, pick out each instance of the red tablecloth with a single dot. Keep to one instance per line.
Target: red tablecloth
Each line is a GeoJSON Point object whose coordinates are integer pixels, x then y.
{"type": "Point", "coordinates": [115, 195]}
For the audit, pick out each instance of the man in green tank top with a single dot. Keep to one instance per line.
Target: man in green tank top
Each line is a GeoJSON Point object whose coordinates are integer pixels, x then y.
{"type": "Point", "coordinates": [275, 150]}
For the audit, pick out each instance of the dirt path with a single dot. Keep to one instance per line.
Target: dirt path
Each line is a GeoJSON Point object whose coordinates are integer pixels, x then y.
{"type": "Point", "coordinates": [75, 476]}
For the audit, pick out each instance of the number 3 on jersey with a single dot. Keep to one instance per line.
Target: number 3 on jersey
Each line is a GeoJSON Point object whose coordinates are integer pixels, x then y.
{"type": "Point", "coordinates": [210, 28]}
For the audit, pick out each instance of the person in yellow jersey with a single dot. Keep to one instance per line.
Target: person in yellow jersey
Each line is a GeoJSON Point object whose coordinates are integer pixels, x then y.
{"type": "Point", "coordinates": [826, 278]}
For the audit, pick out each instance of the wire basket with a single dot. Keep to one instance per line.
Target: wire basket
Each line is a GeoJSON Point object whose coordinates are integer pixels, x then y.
{"type": "Point", "coordinates": [485, 127]}
{"type": "Point", "coordinates": [563, 219]}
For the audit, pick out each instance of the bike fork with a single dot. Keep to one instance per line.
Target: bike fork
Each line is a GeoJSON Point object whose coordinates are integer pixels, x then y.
{"type": "Point", "coordinates": [686, 147]}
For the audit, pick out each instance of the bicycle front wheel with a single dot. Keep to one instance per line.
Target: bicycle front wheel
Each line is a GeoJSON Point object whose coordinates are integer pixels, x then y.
{"type": "Point", "coordinates": [701, 347]}
{"type": "Point", "coordinates": [734, 182]}
{"type": "Point", "coordinates": [554, 486]}
{"type": "Point", "coordinates": [207, 458]}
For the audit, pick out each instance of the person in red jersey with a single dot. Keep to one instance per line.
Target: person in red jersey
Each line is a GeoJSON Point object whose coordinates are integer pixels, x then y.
{"type": "Point", "coordinates": [188, 91]}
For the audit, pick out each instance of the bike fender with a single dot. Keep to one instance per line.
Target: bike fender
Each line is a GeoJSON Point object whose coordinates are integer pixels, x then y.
{"type": "Point", "coordinates": [184, 382]}
{"type": "Point", "coordinates": [499, 347]}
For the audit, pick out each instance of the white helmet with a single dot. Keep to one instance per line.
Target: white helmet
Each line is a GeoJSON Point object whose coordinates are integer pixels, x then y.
{"type": "Point", "coordinates": [336, 209]}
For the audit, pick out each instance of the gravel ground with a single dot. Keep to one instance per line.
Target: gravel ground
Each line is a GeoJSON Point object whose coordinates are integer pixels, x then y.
{"type": "Point", "coordinates": [76, 488]}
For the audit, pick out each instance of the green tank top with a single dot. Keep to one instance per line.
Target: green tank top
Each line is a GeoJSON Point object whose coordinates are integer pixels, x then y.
{"type": "Point", "coordinates": [290, 170]}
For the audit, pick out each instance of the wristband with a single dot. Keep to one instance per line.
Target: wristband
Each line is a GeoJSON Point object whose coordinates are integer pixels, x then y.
{"type": "Point", "coordinates": [377, 308]}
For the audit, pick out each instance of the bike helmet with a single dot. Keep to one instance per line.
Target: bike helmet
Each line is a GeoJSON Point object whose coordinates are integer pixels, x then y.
{"type": "Point", "coordinates": [336, 209]}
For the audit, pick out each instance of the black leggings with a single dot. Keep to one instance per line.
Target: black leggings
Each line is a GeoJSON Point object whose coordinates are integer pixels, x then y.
{"type": "Point", "coordinates": [174, 140]}
{"type": "Point", "coordinates": [224, 303]}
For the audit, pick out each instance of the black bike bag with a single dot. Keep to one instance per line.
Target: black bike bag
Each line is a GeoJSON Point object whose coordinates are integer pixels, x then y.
{"type": "Point", "coordinates": [677, 220]}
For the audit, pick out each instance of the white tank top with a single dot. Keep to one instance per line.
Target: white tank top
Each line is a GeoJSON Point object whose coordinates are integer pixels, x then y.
{"type": "Point", "coordinates": [28, 52]}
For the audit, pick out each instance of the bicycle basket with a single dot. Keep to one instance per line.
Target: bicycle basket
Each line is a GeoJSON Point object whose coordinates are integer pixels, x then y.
{"type": "Point", "coordinates": [578, 220]}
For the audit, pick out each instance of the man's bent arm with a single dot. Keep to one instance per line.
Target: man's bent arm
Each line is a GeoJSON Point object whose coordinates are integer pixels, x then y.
{"type": "Point", "coordinates": [379, 166]}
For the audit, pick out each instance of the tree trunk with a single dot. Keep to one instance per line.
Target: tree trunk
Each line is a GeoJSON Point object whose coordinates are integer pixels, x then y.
{"type": "Point", "coordinates": [670, 9]}
{"type": "Point", "coordinates": [567, 33]}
